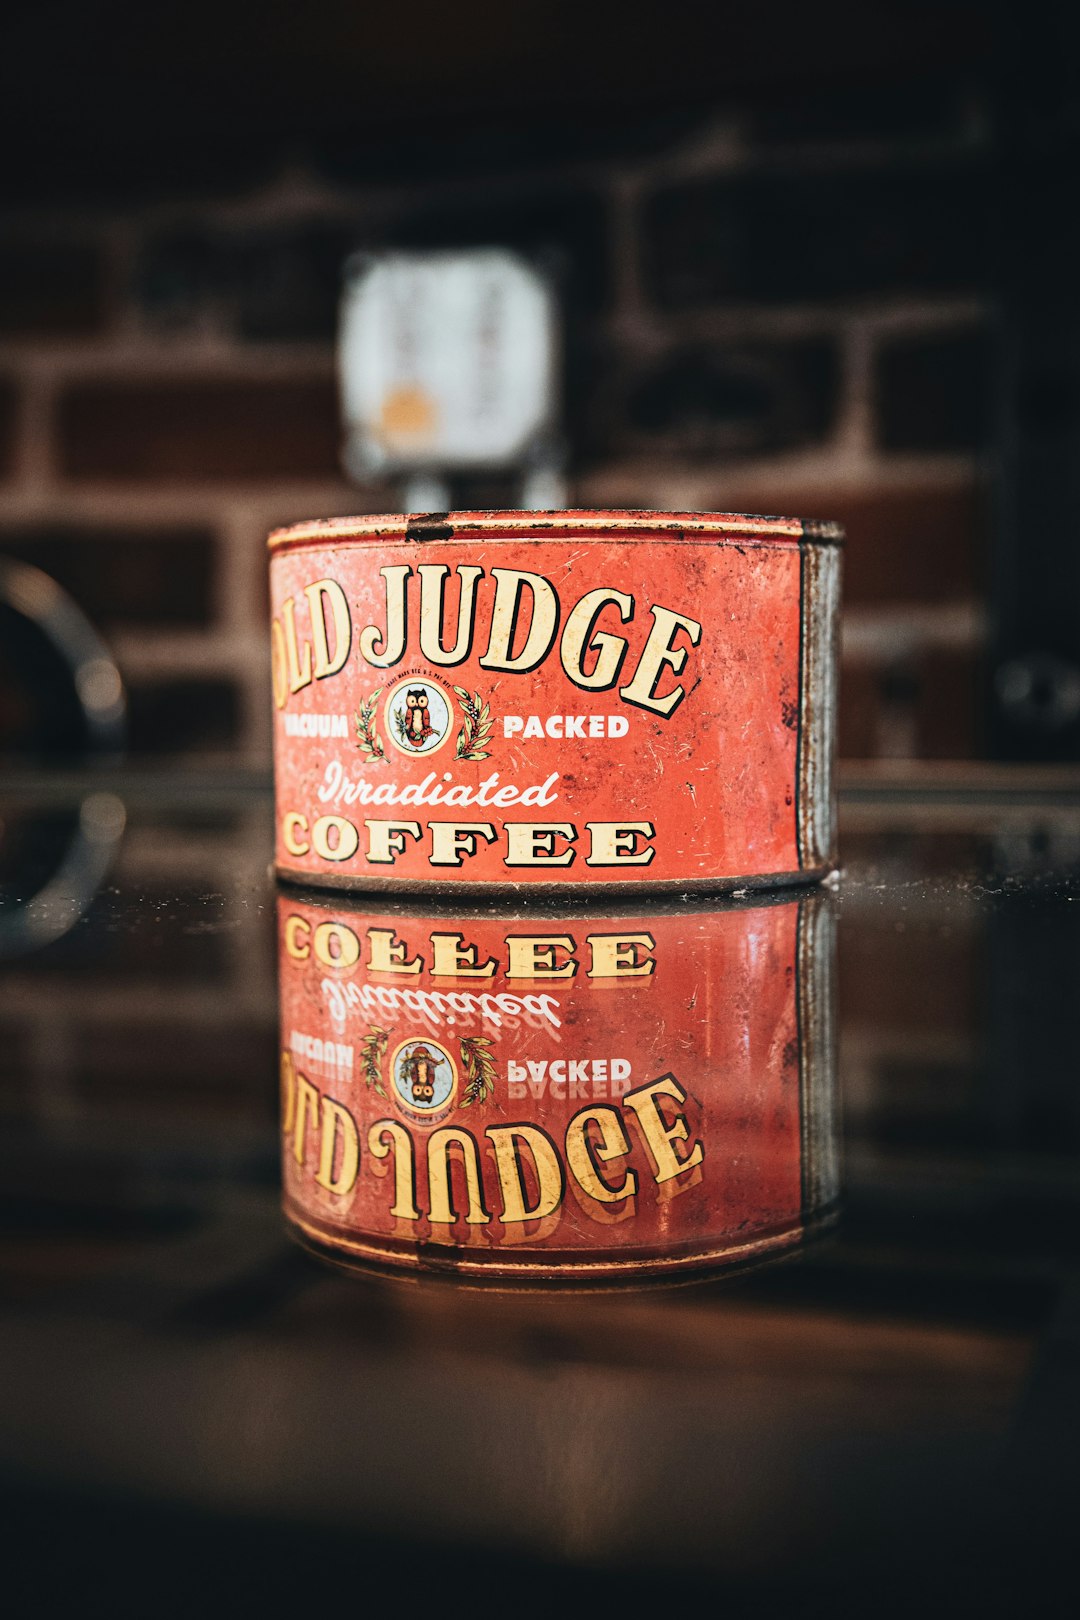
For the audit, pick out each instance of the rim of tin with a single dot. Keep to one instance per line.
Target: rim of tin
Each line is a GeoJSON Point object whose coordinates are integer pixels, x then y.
{"type": "Point", "coordinates": [545, 1271]}
{"type": "Point", "coordinates": [546, 902]}
{"type": "Point", "coordinates": [557, 525]}
{"type": "Point", "coordinates": [729, 892]}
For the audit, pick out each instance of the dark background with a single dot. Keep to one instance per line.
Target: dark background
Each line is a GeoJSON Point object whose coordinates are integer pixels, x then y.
{"type": "Point", "coordinates": [813, 259]}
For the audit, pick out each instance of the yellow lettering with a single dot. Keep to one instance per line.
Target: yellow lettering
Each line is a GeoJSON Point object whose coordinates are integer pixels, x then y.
{"type": "Point", "coordinates": [438, 1166]}
{"type": "Point", "coordinates": [452, 960]}
{"type": "Point", "coordinates": [613, 1144]}
{"type": "Point", "coordinates": [307, 1109]}
{"type": "Point", "coordinates": [288, 1093]}
{"type": "Point", "coordinates": [328, 591]}
{"type": "Point", "coordinates": [388, 954]}
{"type": "Point", "coordinates": [279, 674]}
{"type": "Point", "coordinates": [659, 1135]}
{"type": "Point", "coordinates": [294, 827]}
{"type": "Point", "coordinates": [610, 839]}
{"type": "Point", "coordinates": [386, 840]}
{"type": "Point", "coordinates": [658, 651]}
{"type": "Point", "coordinates": [387, 1135]}
{"type": "Point", "coordinates": [432, 604]}
{"type": "Point", "coordinates": [578, 637]}
{"type": "Point", "coordinates": [616, 955]}
{"type": "Point", "coordinates": [392, 640]}
{"type": "Point", "coordinates": [532, 956]}
{"type": "Point", "coordinates": [508, 1142]}
{"type": "Point", "coordinates": [297, 934]}
{"type": "Point", "coordinates": [532, 843]}
{"type": "Point", "coordinates": [299, 674]}
{"type": "Point", "coordinates": [448, 837]}
{"type": "Point", "coordinates": [510, 586]}
{"type": "Point", "coordinates": [348, 839]}
{"type": "Point", "coordinates": [338, 1125]}
{"type": "Point", "coordinates": [336, 945]}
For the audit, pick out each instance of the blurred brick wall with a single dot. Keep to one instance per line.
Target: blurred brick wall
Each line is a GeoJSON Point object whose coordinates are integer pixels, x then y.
{"type": "Point", "coordinates": [776, 310]}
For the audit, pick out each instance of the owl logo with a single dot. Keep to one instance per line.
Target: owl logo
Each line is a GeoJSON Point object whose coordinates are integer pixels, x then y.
{"type": "Point", "coordinates": [418, 726]}
{"type": "Point", "coordinates": [424, 1079]}
{"type": "Point", "coordinates": [418, 1070]}
{"type": "Point", "coordinates": [418, 718]}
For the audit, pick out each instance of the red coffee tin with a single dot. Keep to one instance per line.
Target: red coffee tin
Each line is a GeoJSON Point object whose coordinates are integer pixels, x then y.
{"type": "Point", "coordinates": [562, 700]}
{"type": "Point", "coordinates": [580, 1096]}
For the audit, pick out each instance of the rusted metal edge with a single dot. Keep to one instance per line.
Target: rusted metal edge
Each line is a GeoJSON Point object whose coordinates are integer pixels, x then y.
{"type": "Point", "coordinates": [592, 897]}
{"type": "Point", "coordinates": [815, 1010]}
{"type": "Point", "coordinates": [815, 793]}
{"type": "Point", "coordinates": [434, 1259]}
{"type": "Point", "coordinates": [548, 903]}
{"type": "Point", "coordinates": [423, 526]}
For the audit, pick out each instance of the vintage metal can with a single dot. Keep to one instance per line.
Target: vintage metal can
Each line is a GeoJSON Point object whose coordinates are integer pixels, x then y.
{"type": "Point", "coordinates": [557, 700]}
{"type": "Point", "coordinates": [582, 1096]}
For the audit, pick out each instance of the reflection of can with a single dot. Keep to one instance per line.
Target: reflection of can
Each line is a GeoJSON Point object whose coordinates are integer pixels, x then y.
{"type": "Point", "coordinates": [557, 700]}
{"type": "Point", "coordinates": [571, 1096]}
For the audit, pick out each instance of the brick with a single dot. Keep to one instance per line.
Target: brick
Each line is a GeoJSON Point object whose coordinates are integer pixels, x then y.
{"type": "Point", "coordinates": [195, 430]}
{"type": "Point", "coordinates": [903, 546]}
{"type": "Point", "coordinates": [769, 237]}
{"type": "Point", "coordinates": [72, 171]}
{"type": "Point", "coordinates": [567, 230]}
{"type": "Point", "coordinates": [287, 284]}
{"type": "Point", "coordinates": [934, 108]}
{"type": "Point", "coordinates": [282, 285]}
{"type": "Point", "coordinates": [950, 701]}
{"type": "Point", "coordinates": [119, 577]}
{"type": "Point", "coordinates": [9, 411]}
{"type": "Point", "coordinates": [182, 715]}
{"type": "Point", "coordinates": [180, 275]}
{"type": "Point", "coordinates": [933, 393]}
{"type": "Point", "coordinates": [709, 399]}
{"type": "Point", "coordinates": [920, 706]}
{"type": "Point", "coordinates": [919, 1103]}
{"type": "Point", "coordinates": [51, 288]}
{"type": "Point", "coordinates": [482, 142]}
{"type": "Point", "coordinates": [215, 1075]}
{"type": "Point", "coordinates": [16, 1074]}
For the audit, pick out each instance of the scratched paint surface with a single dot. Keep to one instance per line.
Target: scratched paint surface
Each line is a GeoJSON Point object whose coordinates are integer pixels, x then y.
{"type": "Point", "coordinates": [494, 709]}
{"type": "Point", "coordinates": [528, 1094]}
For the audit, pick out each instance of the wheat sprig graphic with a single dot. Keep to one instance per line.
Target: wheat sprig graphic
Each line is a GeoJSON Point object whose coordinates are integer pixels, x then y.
{"type": "Point", "coordinates": [373, 1050]}
{"type": "Point", "coordinates": [479, 1069]}
{"type": "Point", "coordinates": [367, 732]}
{"type": "Point", "coordinates": [475, 733]}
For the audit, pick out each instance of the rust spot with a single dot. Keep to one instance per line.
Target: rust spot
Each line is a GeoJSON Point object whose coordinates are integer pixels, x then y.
{"type": "Point", "coordinates": [790, 714]}
{"type": "Point", "coordinates": [429, 526]}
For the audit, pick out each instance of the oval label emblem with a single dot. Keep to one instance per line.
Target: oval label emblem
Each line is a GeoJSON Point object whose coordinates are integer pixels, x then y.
{"type": "Point", "coordinates": [424, 1079]}
{"type": "Point", "coordinates": [418, 716]}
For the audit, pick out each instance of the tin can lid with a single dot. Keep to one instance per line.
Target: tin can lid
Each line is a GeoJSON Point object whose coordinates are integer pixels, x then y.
{"type": "Point", "coordinates": [739, 527]}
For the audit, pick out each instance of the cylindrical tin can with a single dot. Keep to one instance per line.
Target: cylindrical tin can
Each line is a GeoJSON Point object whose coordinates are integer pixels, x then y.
{"type": "Point", "coordinates": [561, 1096]}
{"type": "Point", "coordinates": [556, 700]}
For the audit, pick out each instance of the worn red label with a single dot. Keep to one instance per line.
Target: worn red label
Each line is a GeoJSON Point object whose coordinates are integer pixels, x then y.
{"type": "Point", "coordinates": [524, 703]}
{"type": "Point", "coordinates": [562, 1095]}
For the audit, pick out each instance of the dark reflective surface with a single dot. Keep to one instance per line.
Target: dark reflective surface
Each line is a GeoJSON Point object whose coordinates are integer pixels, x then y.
{"type": "Point", "coordinates": [195, 1408]}
{"type": "Point", "coordinates": [543, 1093]}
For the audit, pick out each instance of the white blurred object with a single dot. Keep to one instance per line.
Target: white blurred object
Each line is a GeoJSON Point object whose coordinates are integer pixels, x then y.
{"type": "Point", "coordinates": [448, 363]}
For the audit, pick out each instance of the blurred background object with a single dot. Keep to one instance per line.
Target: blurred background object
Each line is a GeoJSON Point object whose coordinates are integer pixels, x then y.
{"type": "Point", "coordinates": [61, 704]}
{"type": "Point", "coordinates": [794, 264]}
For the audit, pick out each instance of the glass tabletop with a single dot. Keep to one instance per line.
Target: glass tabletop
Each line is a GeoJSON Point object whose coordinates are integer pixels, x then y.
{"type": "Point", "coordinates": [884, 1409]}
